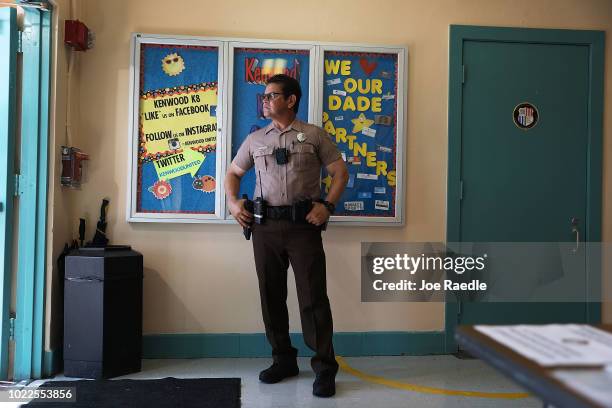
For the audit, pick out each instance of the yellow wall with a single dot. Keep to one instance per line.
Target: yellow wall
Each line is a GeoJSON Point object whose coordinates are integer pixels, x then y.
{"type": "Point", "coordinates": [201, 278]}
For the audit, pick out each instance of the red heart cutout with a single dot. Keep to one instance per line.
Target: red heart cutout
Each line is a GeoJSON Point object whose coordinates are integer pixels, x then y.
{"type": "Point", "coordinates": [368, 67]}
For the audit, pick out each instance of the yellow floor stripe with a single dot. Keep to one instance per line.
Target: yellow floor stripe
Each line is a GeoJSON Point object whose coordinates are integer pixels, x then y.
{"type": "Point", "coordinates": [423, 389]}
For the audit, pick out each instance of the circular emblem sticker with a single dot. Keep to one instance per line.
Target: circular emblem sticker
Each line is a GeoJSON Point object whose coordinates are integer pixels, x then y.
{"type": "Point", "coordinates": [525, 116]}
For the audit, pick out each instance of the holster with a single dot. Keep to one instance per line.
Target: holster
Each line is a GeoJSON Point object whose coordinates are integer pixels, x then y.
{"type": "Point", "coordinates": [300, 210]}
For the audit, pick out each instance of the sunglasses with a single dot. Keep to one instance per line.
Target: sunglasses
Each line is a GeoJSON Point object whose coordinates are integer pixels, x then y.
{"type": "Point", "coordinates": [270, 96]}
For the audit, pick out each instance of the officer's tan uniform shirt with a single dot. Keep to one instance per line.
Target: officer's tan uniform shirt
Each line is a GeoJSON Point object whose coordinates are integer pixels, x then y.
{"type": "Point", "coordinates": [284, 184]}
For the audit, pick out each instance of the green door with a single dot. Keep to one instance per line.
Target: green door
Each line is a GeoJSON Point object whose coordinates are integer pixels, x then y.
{"type": "Point", "coordinates": [8, 54]}
{"type": "Point", "coordinates": [523, 184]}
{"type": "Point", "coordinates": [523, 167]}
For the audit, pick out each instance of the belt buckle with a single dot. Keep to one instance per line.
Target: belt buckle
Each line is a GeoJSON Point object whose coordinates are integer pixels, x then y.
{"type": "Point", "coordinates": [279, 213]}
{"type": "Point", "coordinates": [285, 213]}
{"type": "Point", "coordinates": [274, 213]}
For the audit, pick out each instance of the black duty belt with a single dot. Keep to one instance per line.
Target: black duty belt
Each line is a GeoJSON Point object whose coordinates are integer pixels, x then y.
{"type": "Point", "coordinates": [281, 212]}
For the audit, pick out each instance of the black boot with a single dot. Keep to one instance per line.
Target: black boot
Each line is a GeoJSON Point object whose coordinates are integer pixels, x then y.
{"type": "Point", "coordinates": [324, 385]}
{"type": "Point", "coordinates": [277, 372]}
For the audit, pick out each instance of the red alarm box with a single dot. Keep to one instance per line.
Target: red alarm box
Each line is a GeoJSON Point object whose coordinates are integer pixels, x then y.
{"type": "Point", "coordinates": [76, 35]}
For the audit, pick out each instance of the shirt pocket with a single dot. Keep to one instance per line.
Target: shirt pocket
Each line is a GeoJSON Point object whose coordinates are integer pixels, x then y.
{"type": "Point", "coordinates": [305, 157]}
{"type": "Point", "coordinates": [262, 157]}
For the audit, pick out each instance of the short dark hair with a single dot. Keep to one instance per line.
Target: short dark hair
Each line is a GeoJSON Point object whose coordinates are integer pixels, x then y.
{"type": "Point", "coordinates": [289, 85]}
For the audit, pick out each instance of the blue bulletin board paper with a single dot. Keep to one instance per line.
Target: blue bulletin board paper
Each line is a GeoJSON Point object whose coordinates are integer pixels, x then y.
{"type": "Point", "coordinates": [178, 129]}
{"type": "Point", "coordinates": [360, 94]}
{"type": "Point", "coordinates": [194, 100]}
{"type": "Point", "coordinates": [252, 66]}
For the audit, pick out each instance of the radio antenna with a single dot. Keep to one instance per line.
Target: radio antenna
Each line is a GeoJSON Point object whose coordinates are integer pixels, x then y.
{"type": "Point", "coordinates": [260, 184]}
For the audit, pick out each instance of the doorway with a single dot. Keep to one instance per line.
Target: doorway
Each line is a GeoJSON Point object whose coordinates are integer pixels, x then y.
{"type": "Point", "coordinates": [24, 108]}
{"type": "Point", "coordinates": [525, 139]}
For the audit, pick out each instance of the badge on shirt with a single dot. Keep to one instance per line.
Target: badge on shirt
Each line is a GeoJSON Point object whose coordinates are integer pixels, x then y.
{"type": "Point", "coordinates": [301, 137]}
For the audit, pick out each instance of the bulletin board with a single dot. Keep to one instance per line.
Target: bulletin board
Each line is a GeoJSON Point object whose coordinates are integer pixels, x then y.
{"type": "Point", "coordinates": [176, 96]}
{"type": "Point", "coordinates": [360, 113]}
{"type": "Point", "coordinates": [252, 65]}
{"type": "Point", "coordinates": [194, 100]}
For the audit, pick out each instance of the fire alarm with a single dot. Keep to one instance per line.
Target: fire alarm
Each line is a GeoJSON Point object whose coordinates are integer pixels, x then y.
{"type": "Point", "coordinates": [77, 35]}
{"type": "Point", "coordinates": [73, 166]}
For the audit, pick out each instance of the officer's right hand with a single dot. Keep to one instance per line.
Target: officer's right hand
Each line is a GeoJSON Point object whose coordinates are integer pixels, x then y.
{"type": "Point", "coordinates": [244, 217]}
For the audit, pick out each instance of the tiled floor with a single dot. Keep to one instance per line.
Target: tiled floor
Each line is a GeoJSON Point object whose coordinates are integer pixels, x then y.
{"type": "Point", "coordinates": [436, 372]}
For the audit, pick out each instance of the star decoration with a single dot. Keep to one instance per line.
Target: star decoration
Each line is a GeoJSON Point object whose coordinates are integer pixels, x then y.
{"type": "Point", "coordinates": [327, 181]}
{"type": "Point", "coordinates": [361, 122]}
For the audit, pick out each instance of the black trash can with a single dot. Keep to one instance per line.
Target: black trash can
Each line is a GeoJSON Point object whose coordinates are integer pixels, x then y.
{"type": "Point", "coordinates": [102, 312]}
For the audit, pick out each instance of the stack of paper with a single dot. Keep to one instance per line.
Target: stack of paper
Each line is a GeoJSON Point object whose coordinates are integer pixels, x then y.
{"type": "Point", "coordinates": [555, 344]}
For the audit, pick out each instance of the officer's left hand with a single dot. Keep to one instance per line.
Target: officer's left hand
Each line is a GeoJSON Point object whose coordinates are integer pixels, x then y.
{"type": "Point", "coordinates": [318, 215]}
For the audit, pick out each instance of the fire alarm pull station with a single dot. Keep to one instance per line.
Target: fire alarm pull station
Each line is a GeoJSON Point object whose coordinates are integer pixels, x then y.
{"type": "Point", "coordinates": [73, 166]}
{"type": "Point", "coordinates": [77, 35]}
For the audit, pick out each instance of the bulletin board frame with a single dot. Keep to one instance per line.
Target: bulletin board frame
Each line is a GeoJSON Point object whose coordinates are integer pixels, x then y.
{"type": "Point", "coordinates": [226, 47]}
{"type": "Point", "coordinates": [401, 96]}
{"type": "Point", "coordinates": [310, 93]}
{"type": "Point", "coordinates": [132, 213]}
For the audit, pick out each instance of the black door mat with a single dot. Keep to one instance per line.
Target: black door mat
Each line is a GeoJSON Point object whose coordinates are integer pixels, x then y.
{"type": "Point", "coordinates": [167, 392]}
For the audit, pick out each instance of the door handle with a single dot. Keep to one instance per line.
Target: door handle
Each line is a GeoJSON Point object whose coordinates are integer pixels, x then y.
{"type": "Point", "coordinates": [575, 230]}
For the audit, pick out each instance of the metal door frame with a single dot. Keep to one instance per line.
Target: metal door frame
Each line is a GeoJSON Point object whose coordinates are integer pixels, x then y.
{"type": "Point", "coordinates": [31, 188]}
{"type": "Point", "coordinates": [7, 161]}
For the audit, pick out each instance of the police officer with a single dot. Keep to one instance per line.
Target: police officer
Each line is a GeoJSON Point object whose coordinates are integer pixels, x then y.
{"type": "Point", "coordinates": [288, 155]}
